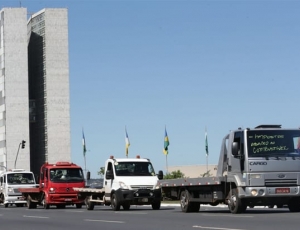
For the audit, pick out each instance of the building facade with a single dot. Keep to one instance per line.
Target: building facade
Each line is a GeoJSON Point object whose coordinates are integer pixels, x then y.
{"type": "Point", "coordinates": [34, 88]}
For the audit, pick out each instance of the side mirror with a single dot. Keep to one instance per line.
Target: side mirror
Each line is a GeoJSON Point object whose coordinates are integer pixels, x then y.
{"type": "Point", "coordinates": [109, 175]}
{"type": "Point", "coordinates": [1, 180]}
{"type": "Point", "coordinates": [160, 175]}
{"type": "Point", "coordinates": [88, 175]}
{"type": "Point", "coordinates": [235, 148]}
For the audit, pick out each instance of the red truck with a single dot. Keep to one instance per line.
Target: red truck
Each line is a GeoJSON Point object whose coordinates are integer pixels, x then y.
{"type": "Point", "coordinates": [56, 183]}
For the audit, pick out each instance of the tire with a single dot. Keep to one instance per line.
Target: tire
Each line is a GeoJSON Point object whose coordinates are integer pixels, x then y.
{"type": "Point", "coordinates": [185, 204]}
{"type": "Point", "coordinates": [78, 205]}
{"type": "Point", "coordinates": [115, 203]}
{"type": "Point", "coordinates": [126, 206]}
{"type": "Point", "coordinates": [235, 204]}
{"type": "Point", "coordinates": [29, 204]}
{"type": "Point", "coordinates": [89, 204]}
{"type": "Point", "coordinates": [294, 205]}
{"type": "Point", "coordinates": [156, 205]}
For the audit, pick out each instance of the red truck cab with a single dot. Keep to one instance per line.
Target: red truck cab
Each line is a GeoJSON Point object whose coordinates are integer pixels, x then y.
{"type": "Point", "coordinates": [56, 183]}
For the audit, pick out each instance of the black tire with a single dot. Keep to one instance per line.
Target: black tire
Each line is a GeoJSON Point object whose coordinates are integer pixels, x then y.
{"type": "Point", "coordinates": [195, 207]}
{"type": "Point", "coordinates": [186, 205]}
{"type": "Point", "coordinates": [156, 205]}
{"type": "Point", "coordinates": [126, 206]}
{"type": "Point", "coordinates": [235, 204]}
{"type": "Point", "coordinates": [78, 205]}
{"type": "Point", "coordinates": [115, 203]}
{"type": "Point", "coordinates": [89, 204]}
{"type": "Point", "coordinates": [294, 205]}
{"type": "Point", "coordinates": [29, 204]}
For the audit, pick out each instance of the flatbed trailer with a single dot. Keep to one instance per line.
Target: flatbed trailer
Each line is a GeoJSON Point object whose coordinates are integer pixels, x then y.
{"type": "Point", "coordinates": [91, 196]}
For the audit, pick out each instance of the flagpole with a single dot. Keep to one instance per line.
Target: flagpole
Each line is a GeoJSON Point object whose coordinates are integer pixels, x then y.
{"type": "Point", "coordinates": [167, 163]}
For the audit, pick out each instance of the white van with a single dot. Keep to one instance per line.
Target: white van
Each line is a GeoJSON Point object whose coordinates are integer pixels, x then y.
{"type": "Point", "coordinates": [10, 182]}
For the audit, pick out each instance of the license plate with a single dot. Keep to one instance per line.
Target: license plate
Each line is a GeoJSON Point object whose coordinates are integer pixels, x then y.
{"type": "Point", "coordinates": [144, 200]}
{"type": "Point", "coordinates": [282, 190]}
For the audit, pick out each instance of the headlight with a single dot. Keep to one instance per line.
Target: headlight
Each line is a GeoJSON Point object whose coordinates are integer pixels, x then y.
{"type": "Point", "coordinates": [52, 190]}
{"type": "Point", "coordinates": [256, 176]}
{"type": "Point", "coordinates": [123, 185]}
{"type": "Point", "coordinates": [157, 186]}
{"type": "Point", "coordinates": [254, 192]}
{"type": "Point", "coordinates": [10, 189]}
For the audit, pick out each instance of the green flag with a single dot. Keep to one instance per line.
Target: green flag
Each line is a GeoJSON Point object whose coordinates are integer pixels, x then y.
{"type": "Point", "coordinates": [83, 144]}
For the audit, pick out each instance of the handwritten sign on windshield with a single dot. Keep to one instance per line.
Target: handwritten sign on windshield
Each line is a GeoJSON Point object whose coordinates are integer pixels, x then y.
{"type": "Point", "coordinates": [268, 143]}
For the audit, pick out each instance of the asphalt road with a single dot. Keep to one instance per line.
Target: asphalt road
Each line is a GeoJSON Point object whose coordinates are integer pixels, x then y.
{"type": "Point", "coordinates": [143, 217]}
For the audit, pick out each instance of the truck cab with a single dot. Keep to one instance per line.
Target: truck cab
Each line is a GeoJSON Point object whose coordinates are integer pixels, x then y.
{"type": "Point", "coordinates": [131, 181]}
{"type": "Point", "coordinates": [57, 182]}
{"type": "Point", "coordinates": [262, 166]}
{"type": "Point", "coordinates": [10, 182]}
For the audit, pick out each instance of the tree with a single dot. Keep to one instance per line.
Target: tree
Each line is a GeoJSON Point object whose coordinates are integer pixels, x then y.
{"type": "Point", "coordinates": [206, 174]}
{"type": "Point", "coordinates": [101, 172]}
{"type": "Point", "coordinates": [174, 175]}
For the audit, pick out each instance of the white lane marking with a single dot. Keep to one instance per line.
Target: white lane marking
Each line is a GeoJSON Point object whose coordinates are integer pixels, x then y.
{"type": "Point", "coordinates": [230, 215]}
{"type": "Point", "coordinates": [134, 213]}
{"type": "Point", "coordinates": [107, 221]}
{"type": "Point", "coordinates": [195, 226]}
{"type": "Point", "coordinates": [39, 217]}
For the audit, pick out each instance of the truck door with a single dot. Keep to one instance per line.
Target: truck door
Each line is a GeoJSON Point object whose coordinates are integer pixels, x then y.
{"type": "Point", "coordinates": [236, 163]}
{"type": "Point", "coordinates": [108, 181]}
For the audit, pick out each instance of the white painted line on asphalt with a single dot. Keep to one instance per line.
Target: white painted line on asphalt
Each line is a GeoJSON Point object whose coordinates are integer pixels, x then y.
{"type": "Point", "coordinates": [195, 226]}
{"type": "Point", "coordinates": [107, 221]}
{"type": "Point", "coordinates": [134, 213]}
{"type": "Point", "coordinates": [39, 217]}
{"type": "Point", "coordinates": [229, 215]}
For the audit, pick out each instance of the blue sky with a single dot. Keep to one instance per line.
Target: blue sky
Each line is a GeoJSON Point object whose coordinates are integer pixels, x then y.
{"type": "Point", "coordinates": [185, 65]}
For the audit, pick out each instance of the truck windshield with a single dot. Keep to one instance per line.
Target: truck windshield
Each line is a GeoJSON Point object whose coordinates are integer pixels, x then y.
{"type": "Point", "coordinates": [273, 143]}
{"type": "Point", "coordinates": [20, 178]}
{"type": "Point", "coordinates": [64, 175]}
{"type": "Point", "coordinates": [134, 169]}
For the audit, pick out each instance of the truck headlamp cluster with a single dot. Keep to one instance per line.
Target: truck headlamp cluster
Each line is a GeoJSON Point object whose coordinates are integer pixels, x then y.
{"type": "Point", "coordinates": [10, 190]}
{"type": "Point", "coordinates": [51, 190]}
{"type": "Point", "coordinates": [255, 176]}
{"type": "Point", "coordinates": [260, 192]}
{"type": "Point", "coordinates": [123, 185]}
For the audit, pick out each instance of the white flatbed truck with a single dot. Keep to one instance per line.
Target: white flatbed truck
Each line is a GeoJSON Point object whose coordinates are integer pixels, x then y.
{"type": "Point", "coordinates": [127, 181]}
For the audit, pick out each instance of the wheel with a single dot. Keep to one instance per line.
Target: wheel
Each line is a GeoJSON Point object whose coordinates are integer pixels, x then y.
{"type": "Point", "coordinates": [294, 205]}
{"type": "Point", "coordinates": [45, 205]}
{"type": "Point", "coordinates": [235, 204]}
{"type": "Point", "coordinates": [186, 205]}
{"type": "Point", "coordinates": [156, 205]}
{"type": "Point", "coordinates": [89, 204]}
{"type": "Point", "coordinates": [115, 203]}
{"type": "Point", "coordinates": [29, 204]}
{"type": "Point", "coordinates": [126, 206]}
{"type": "Point", "coordinates": [78, 205]}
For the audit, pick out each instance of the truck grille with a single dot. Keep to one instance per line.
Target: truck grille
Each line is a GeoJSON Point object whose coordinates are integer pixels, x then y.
{"type": "Point", "coordinates": [141, 187]}
{"type": "Point", "coordinates": [280, 183]}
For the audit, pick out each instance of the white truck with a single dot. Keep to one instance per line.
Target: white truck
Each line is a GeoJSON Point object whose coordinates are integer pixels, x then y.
{"type": "Point", "coordinates": [10, 182]}
{"type": "Point", "coordinates": [127, 181]}
{"type": "Point", "coordinates": [257, 167]}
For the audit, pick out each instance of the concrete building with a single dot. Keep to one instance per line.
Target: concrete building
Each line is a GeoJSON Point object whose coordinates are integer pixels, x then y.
{"type": "Point", "coordinates": [14, 109]}
{"type": "Point", "coordinates": [34, 88]}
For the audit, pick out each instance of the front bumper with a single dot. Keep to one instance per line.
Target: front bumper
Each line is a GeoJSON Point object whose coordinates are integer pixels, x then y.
{"type": "Point", "coordinates": [59, 198]}
{"type": "Point", "coordinates": [15, 199]}
{"type": "Point", "coordinates": [138, 197]}
{"type": "Point", "coordinates": [249, 192]}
